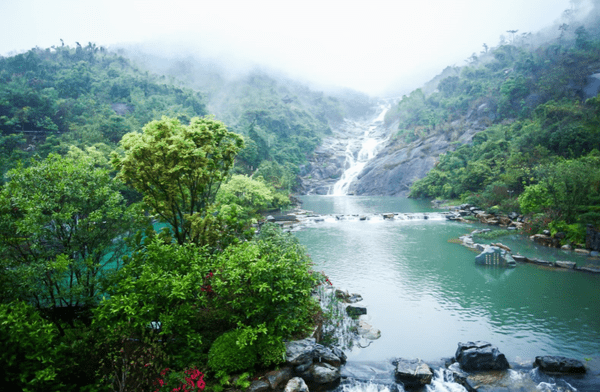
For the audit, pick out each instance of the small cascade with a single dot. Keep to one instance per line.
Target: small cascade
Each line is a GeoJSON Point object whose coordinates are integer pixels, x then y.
{"type": "Point", "coordinates": [369, 146]}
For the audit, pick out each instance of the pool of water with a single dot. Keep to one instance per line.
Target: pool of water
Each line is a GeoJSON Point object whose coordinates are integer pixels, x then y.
{"type": "Point", "coordinates": [426, 294]}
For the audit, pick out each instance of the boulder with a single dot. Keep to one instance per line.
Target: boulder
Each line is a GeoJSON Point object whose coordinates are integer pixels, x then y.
{"type": "Point", "coordinates": [367, 331]}
{"type": "Point", "coordinates": [412, 373]}
{"type": "Point", "coordinates": [355, 311]}
{"type": "Point", "coordinates": [592, 238]}
{"type": "Point", "coordinates": [559, 365]}
{"type": "Point", "coordinates": [279, 377]}
{"type": "Point", "coordinates": [566, 264]}
{"type": "Point", "coordinates": [304, 352]}
{"type": "Point", "coordinates": [259, 386]}
{"type": "Point", "coordinates": [318, 365]}
{"type": "Point", "coordinates": [544, 239]}
{"type": "Point", "coordinates": [388, 216]}
{"type": "Point", "coordinates": [347, 297]}
{"type": "Point", "coordinates": [505, 221]}
{"type": "Point", "coordinates": [495, 256]}
{"type": "Point", "coordinates": [480, 355]}
{"type": "Point", "coordinates": [296, 384]}
{"type": "Point", "coordinates": [502, 246]}
{"type": "Point", "coordinates": [322, 373]}
{"type": "Point", "coordinates": [300, 352]}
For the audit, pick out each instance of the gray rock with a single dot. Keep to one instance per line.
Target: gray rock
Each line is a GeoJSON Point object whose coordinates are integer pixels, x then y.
{"type": "Point", "coordinates": [279, 377]}
{"type": "Point", "coordinates": [347, 297]}
{"type": "Point", "coordinates": [296, 384]}
{"type": "Point", "coordinates": [367, 331]}
{"type": "Point", "coordinates": [480, 355]}
{"type": "Point", "coordinates": [541, 262]}
{"type": "Point", "coordinates": [566, 264]}
{"type": "Point", "coordinates": [495, 256]}
{"type": "Point", "coordinates": [520, 258]}
{"type": "Point", "coordinates": [259, 386]}
{"type": "Point", "coordinates": [590, 269]}
{"type": "Point", "coordinates": [300, 352]}
{"type": "Point", "coordinates": [412, 373]}
{"type": "Point", "coordinates": [559, 365]}
{"type": "Point", "coordinates": [325, 355]}
{"type": "Point", "coordinates": [355, 311]}
{"type": "Point", "coordinates": [324, 373]}
{"type": "Point", "coordinates": [592, 238]}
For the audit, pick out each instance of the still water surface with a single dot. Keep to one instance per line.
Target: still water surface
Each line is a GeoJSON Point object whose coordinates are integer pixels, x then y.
{"type": "Point", "coordinates": [426, 294]}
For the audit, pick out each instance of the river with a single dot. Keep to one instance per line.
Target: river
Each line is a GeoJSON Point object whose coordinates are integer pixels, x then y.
{"type": "Point", "coordinates": [426, 294]}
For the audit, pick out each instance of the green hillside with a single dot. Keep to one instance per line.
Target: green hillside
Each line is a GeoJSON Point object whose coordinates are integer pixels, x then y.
{"type": "Point", "coordinates": [61, 96]}
{"type": "Point", "coordinates": [539, 153]}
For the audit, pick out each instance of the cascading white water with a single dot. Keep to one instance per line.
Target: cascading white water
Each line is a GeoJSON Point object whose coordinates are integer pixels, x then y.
{"type": "Point", "coordinates": [370, 145]}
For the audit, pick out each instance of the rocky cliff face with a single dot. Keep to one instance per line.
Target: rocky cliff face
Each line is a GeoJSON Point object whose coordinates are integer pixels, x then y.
{"type": "Point", "coordinates": [330, 160]}
{"type": "Point", "coordinates": [396, 166]}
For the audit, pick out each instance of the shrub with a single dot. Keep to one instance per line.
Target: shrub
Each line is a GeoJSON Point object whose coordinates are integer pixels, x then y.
{"type": "Point", "coordinates": [264, 287]}
{"type": "Point", "coordinates": [28, 349]}
{"type": "Point", "coordinates": [226, 356]}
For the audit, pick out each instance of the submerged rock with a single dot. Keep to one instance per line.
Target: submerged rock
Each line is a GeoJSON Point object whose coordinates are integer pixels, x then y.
{"type": "Point", "coordinates": [480, 355]}
{"type": "Point", "coordinates": [412, 373]}
{"type": "Point", "coordinates": [367, 331]}
{"type": "Point", "coordinates": [559, 365]}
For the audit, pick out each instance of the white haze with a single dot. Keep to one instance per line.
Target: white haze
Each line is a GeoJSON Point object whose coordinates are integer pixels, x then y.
{"type": "Point", "coordinates": [372, 46]}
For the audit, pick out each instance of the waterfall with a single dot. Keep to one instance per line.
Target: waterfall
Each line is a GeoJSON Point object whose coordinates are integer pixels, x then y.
{"type": "Point", "coordinates": [369, 147]}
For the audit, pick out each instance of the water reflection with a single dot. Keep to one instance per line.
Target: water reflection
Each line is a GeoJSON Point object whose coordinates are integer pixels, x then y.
{"type": "Point", "coordinates": [426, 294]}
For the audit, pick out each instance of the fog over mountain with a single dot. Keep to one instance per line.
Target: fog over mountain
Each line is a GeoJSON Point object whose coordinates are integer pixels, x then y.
{"type": "Point", "coordinates": [378, 47]}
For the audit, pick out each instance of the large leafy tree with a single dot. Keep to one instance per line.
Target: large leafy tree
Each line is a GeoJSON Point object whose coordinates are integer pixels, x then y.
{"type": "Point", "coordinates": [62, 222]}
{"type": "Point", "coordinates": [178, 168]}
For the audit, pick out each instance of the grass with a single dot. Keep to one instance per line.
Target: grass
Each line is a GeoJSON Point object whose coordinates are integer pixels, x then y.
{"type": "Point", "coordinates": [490, 235]}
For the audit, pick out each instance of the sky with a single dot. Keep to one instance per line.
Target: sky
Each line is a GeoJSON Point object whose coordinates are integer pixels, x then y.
{"type": "Point", "coordinates": [365, 45]}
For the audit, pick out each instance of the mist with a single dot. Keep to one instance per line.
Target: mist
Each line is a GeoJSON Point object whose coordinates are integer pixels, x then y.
{"type": "Point", "coordinates": [380, 48]}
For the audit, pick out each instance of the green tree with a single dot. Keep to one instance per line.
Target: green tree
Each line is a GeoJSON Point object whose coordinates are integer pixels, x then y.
{"type": "Point", "coordinates": [62, 223]}
{"type": "Point", "coordinates": [178, 168]}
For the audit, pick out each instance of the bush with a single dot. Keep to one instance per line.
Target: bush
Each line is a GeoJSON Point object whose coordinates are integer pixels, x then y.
{"type": "Point", "coordinates": [29, 349]}
{"type": "Point", "coordinates": [226, 356]}
{"type": "Point", "coordinates": [264, 286]}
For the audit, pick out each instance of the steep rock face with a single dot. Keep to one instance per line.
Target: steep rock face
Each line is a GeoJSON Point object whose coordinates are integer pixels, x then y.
{"type": "Point", "coordinates": [329, 161]}
{"type": "Point", "coordinates": [396, 167]}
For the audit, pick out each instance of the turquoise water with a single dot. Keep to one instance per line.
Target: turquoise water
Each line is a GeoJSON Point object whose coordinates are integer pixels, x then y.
{"type": "Point", "coordinates": [426, 294]}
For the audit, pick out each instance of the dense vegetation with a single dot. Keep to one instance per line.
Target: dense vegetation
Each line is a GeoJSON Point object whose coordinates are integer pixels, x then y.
{"type": "Point", "coordinates": [54, 98]}
{"type": "Point", "coordinates": [94, 298]}
{"type": "Point", "coordinates": [539, 153]}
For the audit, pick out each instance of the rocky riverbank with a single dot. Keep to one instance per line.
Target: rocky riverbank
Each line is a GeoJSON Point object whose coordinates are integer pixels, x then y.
{"type": "Point", "coordinates": [514, 221]}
